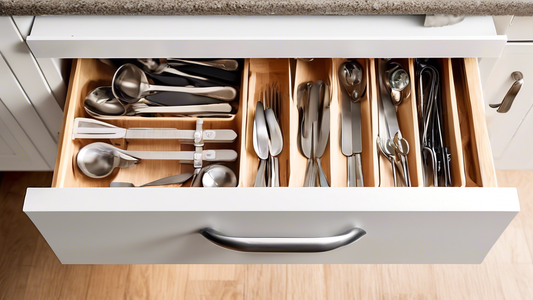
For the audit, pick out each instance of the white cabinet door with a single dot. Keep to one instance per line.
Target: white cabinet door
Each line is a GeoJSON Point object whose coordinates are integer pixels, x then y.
{"type": "Point", "coordinates": [517, 156]}
{"type": "Point", "coordinates": [17, 152]}
{"type": "Point", "coordinates": [503, 126]}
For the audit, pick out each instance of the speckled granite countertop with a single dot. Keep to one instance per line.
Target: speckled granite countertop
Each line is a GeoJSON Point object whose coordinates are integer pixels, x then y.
{"type": "Point", "coordinates": [265, 7]}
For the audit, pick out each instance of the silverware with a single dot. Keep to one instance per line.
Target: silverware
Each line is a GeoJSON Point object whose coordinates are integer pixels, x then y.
{"type": "Point", "coordinates": [390, 141]}
{"type": "Point", "coordinates": [218, 176]}
{"type": "Point", "coordinates": [131, 84]}
{"type": "Point", "coordinates": [305, 134]}
{"type": "Point", "coordinates": [85, 128]}
{"type": "Point", "coordinates": [311, 130]}
{"type": "Point", "coordinates": [272, 101]}
{"type": "Point", "coordinates": [160, 66]}
{"type": "Point", "coordinates": [98, 160]}
{"type": "Point", "coordinates": [313, 101]}
{"type": "Point", "coordinates": [224, 64]}
{"type": "Point", "coordinates": [260, 142]}
{"type": "Point", "coordinates": [101, 103]}
{"type": "Point", "coordinates": [175, 179]}
{"type": "Point", "coordinates": [323, 131]}
{"type": "Point", "coordinates": [352, 78]}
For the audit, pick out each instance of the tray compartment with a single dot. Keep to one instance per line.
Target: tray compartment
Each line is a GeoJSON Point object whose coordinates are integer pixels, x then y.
{"type": "Point", "coordinates": [368, 124]}
{"type": "Point", "coordinates": [407, 119]}
{"type": "Point", "coordinates": [88, 74]}
{"type": "Point", "coordinates": [262, 73]}
{"type": "Point", "coordinates": [317, 69]}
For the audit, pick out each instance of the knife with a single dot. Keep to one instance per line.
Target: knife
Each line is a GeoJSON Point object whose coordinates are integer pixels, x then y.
{"type": "Point", "coordinates": [86, 128]}
{"type": "Point", "coordinates": [352, 144]}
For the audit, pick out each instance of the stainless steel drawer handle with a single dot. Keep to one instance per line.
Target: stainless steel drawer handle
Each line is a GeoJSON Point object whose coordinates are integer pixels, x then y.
{"type": "Point", "coordinates": [505, 105]}
{"type": "Point", "coordinates": [252, 244]}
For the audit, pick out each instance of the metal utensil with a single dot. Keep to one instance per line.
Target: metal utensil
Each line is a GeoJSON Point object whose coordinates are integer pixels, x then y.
{"type": "Point", "coordinates": [436, 155]}
{"type": "Point", "coordinates": [224, 64]}
{"type": "Point", "coordinates": [311, 130]}
{"type": "Point", "coordinates": [98, 160]}
{"type": "Point", "coordinates": [272, 101]}
{"type": "Point", "coordinates": [85, 128]}
{"type": "Point", "coordinates": [160, 66]}
{"type": "Point", "coordinates": [175, 179]}
{"type": "Point", "coordinates": [218, 176]}
{"type": "Point", "coordinates": [353, 80]}
{"type": "Point", "coordinates": [351, 76]}
{"type": "Point", "coordinates": [305, 141]}
{"type": "Point", "coordinates": [397, 81]}
{"type": "Point", "coordinates": [131, 84]}
{"type": "Point", "coordinates": [101, 103]}
{"type": "Point", "coordinates": [390, 141]}
{"type": "Point", "coordinates": [260, 142]}
{"type": "Point", "coordinates": [323, 130]}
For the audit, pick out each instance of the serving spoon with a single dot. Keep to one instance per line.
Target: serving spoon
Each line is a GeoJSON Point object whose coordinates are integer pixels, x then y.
{"type": "Point", "coordinates": [130, 84]}
{"type": "Point", "coordinates": [98, 160]}
{"type": "Point", "coordinates": [396, 81]}
{"type": "Point", "coordinates": [102, 104]}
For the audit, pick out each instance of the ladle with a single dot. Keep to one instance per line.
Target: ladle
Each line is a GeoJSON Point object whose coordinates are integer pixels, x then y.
{"type": "Point", "coordinates": [130, 84]}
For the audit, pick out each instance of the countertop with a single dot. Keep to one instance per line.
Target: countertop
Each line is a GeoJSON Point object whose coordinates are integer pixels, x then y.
{"type": "Point", "coordinates": [265, 7]}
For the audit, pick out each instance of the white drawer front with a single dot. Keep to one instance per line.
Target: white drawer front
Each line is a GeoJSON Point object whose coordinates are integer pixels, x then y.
{"type": "Point", "coordinates": [162, 225]}
{"type": "Point", "coordinates": [260, 36]}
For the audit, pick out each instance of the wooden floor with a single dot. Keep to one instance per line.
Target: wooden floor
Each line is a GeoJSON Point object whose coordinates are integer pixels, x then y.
{"type": "Point", "coordinates": [30, 270]}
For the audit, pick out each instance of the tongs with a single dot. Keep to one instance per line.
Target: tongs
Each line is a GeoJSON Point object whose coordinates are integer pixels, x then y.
{"type": "Point", "coordinates": [435, 154]}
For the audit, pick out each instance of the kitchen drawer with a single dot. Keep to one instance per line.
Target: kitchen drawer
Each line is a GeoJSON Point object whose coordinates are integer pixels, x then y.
{"type": "Point", "coordinates": [86, 223]}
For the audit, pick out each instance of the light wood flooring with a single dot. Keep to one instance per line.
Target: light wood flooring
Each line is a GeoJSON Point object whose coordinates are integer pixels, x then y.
{"type": "Point", "coordinates": [30, 270]}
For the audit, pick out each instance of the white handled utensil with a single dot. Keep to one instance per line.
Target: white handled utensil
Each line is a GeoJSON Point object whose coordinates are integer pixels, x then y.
{"type": "Point", "coordinates": [85, 128]}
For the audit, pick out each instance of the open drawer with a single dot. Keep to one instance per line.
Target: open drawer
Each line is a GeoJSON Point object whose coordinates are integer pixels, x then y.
{"type": "Point", "coordinates": [86, 222]}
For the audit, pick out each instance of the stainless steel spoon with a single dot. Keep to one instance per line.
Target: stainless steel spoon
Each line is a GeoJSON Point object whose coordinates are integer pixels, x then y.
{"type": "Point", "coordinates": [260, 142]}
{"type": "Point", "coordinates": [98, 160]}
{"type": "Point", "coordinates": [218, 176]}
{"type": "Point", "coordinates": [102, 104]}
{"type": "Point", "coordinates": [353, 80]}
{"type": "Point", "coordinates": [130, 84]}
{"type": "Point", "coordinates": [159, 66]}
{"type": "Point", "coordinates": [396, 81]}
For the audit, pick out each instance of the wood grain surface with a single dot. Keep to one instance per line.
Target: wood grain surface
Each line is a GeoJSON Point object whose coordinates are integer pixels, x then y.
{"type": "Point", "coordinates": [30, 270]}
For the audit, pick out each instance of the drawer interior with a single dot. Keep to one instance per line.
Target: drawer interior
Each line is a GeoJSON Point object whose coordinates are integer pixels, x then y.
{"type": "Point", "coordinates": [465, 131]}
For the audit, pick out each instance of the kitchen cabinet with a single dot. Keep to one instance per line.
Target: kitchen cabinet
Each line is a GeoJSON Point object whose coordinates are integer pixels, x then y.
{"type": "Point", "coordinates": [516, 57]}
{"type": "Point", "coordinates": [29, 97]}
{"type": "Point", "coordinates": [86, 223]}
{"type": "Point", "coordinates": [17, 152]}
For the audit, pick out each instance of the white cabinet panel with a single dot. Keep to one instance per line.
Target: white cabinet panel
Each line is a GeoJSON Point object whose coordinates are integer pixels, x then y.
{"type": "Point", "coordinates": [27, 71]}
{"type": "Point", "coordinates": [502, 126]}
{"type": "Point", "coordinates": [18, 123]}
{"type": "Point", "coordinates": [260, 36]}
{"type": "Point", "coordinates": [17, 153]}
{"type": "Point", "coordinates": [517, 156]}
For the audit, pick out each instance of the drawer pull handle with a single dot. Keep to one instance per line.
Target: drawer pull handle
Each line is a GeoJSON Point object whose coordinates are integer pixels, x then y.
{"type": "Point", "coordinates": [252, 244]}
{"type": "Point", "coordinates": [505, 105]}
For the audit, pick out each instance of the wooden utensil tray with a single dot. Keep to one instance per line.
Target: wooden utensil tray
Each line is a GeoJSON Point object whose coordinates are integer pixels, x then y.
{"type": "Point", "coordinates": [460, 113]}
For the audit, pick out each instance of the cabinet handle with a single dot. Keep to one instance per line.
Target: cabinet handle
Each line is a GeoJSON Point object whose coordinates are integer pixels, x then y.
{"type": "Point", "coordinates": [505, 105]}
{"type": "Point", "coordinates": [250, 244]}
